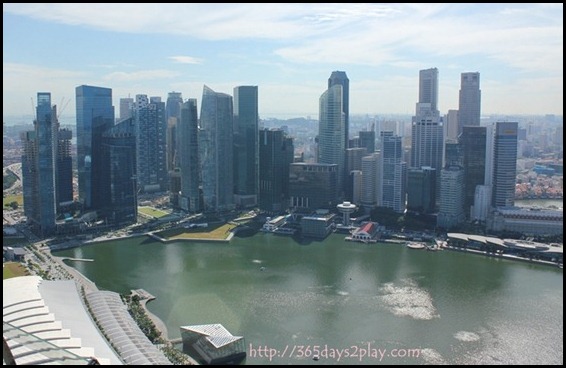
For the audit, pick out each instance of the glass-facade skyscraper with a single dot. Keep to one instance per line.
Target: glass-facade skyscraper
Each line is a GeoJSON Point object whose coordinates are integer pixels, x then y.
{"type": "Point", "coordinates": [473, 142]}
{"type": "Point", "coordinates": [276, 153]}
{"type": "Point", "coordinates": [118, 181]}
{"type": "Point", "coordinates": [95, 114]}
{"type": "Point", "coordinates": [504, 163]}
{"type": "Point", "coordinates": [189, 156]}
{"type": "Point", "coordinates": [246, 146]}
{"type": "Point", "coordinates": [39, 165]}
{"type": "Point", "coordinates": [216, 153]}
{"type": "Point", "coordinates": [340, 78]}
{"type": "Point", "coordinates": [331, 138]}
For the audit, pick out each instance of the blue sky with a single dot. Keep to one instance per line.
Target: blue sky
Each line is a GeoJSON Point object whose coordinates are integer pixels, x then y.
{"type": "Point", "coordinates": [288, 50]}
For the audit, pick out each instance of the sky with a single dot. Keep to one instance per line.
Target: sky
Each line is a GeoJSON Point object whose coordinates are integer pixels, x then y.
{"type": "Point", "coordinates": [287, 50]}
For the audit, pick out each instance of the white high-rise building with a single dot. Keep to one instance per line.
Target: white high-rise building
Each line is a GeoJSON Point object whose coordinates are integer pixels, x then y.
{"type": "Point", "coordinates": [370, 170]}
{"type": "Point", "coordinates": [451, 211]}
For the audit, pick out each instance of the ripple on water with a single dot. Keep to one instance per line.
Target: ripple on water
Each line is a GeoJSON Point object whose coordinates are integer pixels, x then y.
{"type": "Point", "coordinates": [407, 299]}
{"type": "Point", "coordinates": [466, 336]}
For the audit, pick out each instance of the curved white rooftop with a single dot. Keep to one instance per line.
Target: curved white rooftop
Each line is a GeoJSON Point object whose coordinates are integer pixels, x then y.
{"type": "Point", "coordinates": [45, 322]}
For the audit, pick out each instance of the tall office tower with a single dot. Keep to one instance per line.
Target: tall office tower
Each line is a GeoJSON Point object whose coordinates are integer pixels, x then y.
{"type": "Point", "coordinates": [39, 166]}
{"type": "Point", "coordinates": [95, 114]}
{"type": "Point", "coordinates": [489, 150]}
{"type": "Point", "coordinates": [504, 164]}
{"type": "Point", "coordinates": [149, 117]}
{"type": "Point", "coordinates": [451, 125]}
{"type": "Point", "coordinates": [473, 141]}
{"type": "Point", "coordinates": [367, 140]}
{"type": "Point", "coordinates": [118, 155]}
{"type": "Point", "coordinates": [353, 162]}
{"type": "Point", "coordinates": [340, 78]}
{"type": "Point", "coordinates": [188, 157]}
{"type": "Point", "coordinates": [392, 173]}
{"type": "Point", "coordinates": [370, 172]}
{"type": "Point", "coordinates": [427, 138]}
{"type": "Point", "coordinates": [357, 184]}
{"type": "Point", "coordinates": [482, 203]}
{"type": "Point", "coordinates": [453, 154]}
{"type": "Point", "coordinates": [421, 189]}
{"type": "Point", "coordinates": [331, 139]}
{"type": "Point", "coordinates": [64, 178]}
{"type": "Point", "coordinates": [428, 88]}
{"type": "Point", "coordinates": [451, 211]}
{"type": "Point", "coordinates": [275, 155]}
{"type": "Point", "coordinates": [215, 150]}
{"type": "Point", "coordinates": [246, 146]}
{"type": "Point", "coordinates": [126, 105]}
{"type": "Point", "coordinates": [172, 117]}
{"type": "Point", "coordinates": [310, 186]}
{"type": "Point", "coordinates": [470, 101]}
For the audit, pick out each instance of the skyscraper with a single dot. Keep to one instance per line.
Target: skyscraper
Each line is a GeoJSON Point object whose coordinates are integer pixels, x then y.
{"type": "Point", "coordinates": [275, 155]}
{"type": "Point", "coordinates": [311, 186]}
{"type": "Point", "coordinates": [118, 181]}
{"type": "Point", "coordinates": [473, 141]}
{"type": "Point", "coordinates": [451, 212]}
{"type": "Point", "coordinates": [126, 107]}
{"type": "Point", "coordinates": [216, 154]}
{"type": "Point", "coordinates": [370, 182]}
{"type": "Point", "coordinates": [64, 178]}
{"type": "Point", "coordinates": [428, 88]}
{"type": "Point", "coordinates": [504, 163]}
{"type": "Point", "coordinates": [367, 140]}
{"type": "Point", "coordinates": [340, 78]}
{"type": "Point", "coordinates": [172, 117]}
{"type": "Point", "coordinates": [95, 114]}
{"type": "Point", "coordinates": [246, 147]}
{"type": "Point", "coordinates": [392, 173]}
{"type": "Point", "coordinates": [149, 117]}
{"type": "Point", "coordinates": [188, 157]}
{"type": "Point", "coordinates": [39, 168]}
{"type": "Point", "coordinates": [427, 138]}
{"type": "Point", "coordinates": [421, 189]}
{"type": "Point", "coordinates": [331, 138]}
{"type": "Point", "coordinates": [470, 101]}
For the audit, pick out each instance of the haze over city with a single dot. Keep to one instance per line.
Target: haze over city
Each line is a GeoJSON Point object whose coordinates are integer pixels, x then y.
{"type": "Point", "coordinates": [287, 50]}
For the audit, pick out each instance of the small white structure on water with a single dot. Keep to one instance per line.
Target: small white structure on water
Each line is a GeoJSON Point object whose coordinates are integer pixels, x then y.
{"type": "Point", "coordinates": [214, 343]}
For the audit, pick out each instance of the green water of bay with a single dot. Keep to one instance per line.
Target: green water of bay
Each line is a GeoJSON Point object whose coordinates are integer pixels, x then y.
{"type": "Point", "coordinates": [279, 294]}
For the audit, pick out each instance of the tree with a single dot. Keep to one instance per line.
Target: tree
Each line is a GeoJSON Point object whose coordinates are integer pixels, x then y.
{"type": "Point", "coordinates": [14, 205]}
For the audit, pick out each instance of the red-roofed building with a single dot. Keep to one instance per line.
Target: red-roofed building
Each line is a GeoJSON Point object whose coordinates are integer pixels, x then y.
{"type": "Point", "coordinates": [369, 232]}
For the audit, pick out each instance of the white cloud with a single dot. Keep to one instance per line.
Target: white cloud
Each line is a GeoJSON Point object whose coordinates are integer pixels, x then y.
{"type": "Point", "coordinates": [186, 59]}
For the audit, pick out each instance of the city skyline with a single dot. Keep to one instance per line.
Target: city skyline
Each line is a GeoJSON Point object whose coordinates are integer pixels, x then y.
{"type": "Point", "coordinates": [288, 51]}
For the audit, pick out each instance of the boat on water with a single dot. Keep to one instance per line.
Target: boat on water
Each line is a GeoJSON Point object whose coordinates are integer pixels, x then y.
{"type": "Point", "coordinates": [416, 245]}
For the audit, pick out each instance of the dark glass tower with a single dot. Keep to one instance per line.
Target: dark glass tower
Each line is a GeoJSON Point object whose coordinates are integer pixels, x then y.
{"type": "Point", "coordinates": [95, 114]}
{"type": "Point", "coordinates": [39, 168]}
{"type": "Point", "coordinates": [504, 163]}
{"type": "Point", "coordinates": [64, 180]}
{"type": "Point", "coordinates": [188, 156]}
{"type": "Point", "coordinates": [246, 148]}
{"type": "Point", "coordinates": [118, 181]}
{"type": "Point", "coordinates": [275, 155]}
{"type": "Point", "coordinates": [473, 143]}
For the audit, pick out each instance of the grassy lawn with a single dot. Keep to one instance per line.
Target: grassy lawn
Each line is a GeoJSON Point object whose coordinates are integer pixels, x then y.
{"type": "Point", "coordinates": [14, 269]}
{"type": "Point", "coordinates": [221, 232]}
{"type": "Point", "coordinates": [13, 197]}
{"type": "Point", "coordinates": [152, 212]}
